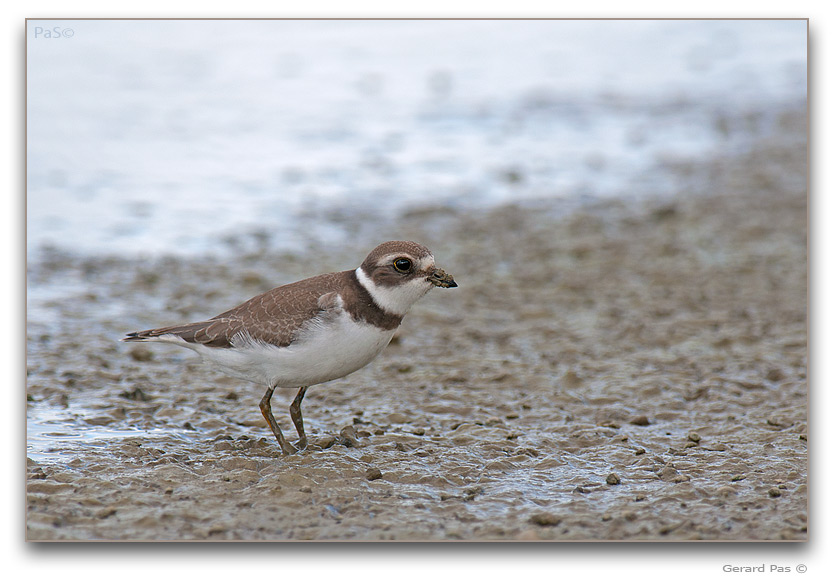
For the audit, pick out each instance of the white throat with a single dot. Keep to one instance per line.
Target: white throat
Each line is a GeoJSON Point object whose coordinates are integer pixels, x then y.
{"type": "Point", "coordinates": [396, 299]}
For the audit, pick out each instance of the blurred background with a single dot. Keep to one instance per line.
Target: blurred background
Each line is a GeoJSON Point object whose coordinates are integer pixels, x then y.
{"type": "Point", "coordinates": [206, 137]}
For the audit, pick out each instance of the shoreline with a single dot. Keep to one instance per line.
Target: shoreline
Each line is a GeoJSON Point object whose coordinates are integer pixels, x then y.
{"type": "Point", "coordinates": [628, 371]}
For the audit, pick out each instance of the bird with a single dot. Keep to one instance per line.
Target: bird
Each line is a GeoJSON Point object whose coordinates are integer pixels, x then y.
{"type": "Point", "coordinates": [312, 331]}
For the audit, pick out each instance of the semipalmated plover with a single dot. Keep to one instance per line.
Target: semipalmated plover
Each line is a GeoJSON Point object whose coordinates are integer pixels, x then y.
{"type": "Point", "coordinates": [314, 330]}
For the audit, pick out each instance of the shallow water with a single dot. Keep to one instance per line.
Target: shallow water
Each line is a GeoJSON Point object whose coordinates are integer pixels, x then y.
{"type": "Point", "coordinates": [283, 133]}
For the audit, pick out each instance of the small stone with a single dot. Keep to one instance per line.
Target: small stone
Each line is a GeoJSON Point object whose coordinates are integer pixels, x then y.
{"type": "Point", "coordinates": [348, 437]}
{"type": "Point", "coordinates": [738, 477]}
{"type": "Point", "coordinates": [571, 380]}
{"type": "Point", "coordinates": [136, 394]}
{"type": "Point", "coordinates": [640, 420]}
{"type": "Point", "coordinates": [612, 479]}
{"type": "Point", "coordinates": [726, 490]}
{"type": "Point", "coordinates": [545, 519]}
{"type": "Point", "coordinates": [694, 437]}
{"type": "Point", "coordinates": [141, 354]}
{"type": "Point", "coordinates": [774, 492]}
{"type": "Point", "coordinates": [640, 497]}
{"type": "Point", "coordinates": [105, 513]}
{"type": "Point", "coordinates": [373, 473]}
{"type": "Point", "coordinates": [775, 374]}
{"type": "Point", "coordinates": [223, 446]}
{"type": "Point", "coordinates": [37, 474]}
{"type": "Point", "coordinates": [640, 451]}
{"type": "Point", "coordinates": [397, 418]}
{"type": "Point", "coordinates": [231, 396]}
{"type": "Point", "coordinates": [325, 442]}
{"type": "Point", "coordinates": [99, 421]}
{"type": "Point", "coordinates": [668, 473]}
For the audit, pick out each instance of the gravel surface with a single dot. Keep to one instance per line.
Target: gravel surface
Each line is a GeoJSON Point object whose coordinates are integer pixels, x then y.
{"type": "Point", "coordinates": [631, 370]}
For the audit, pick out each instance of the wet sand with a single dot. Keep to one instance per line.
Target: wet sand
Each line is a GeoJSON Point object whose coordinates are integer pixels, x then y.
{"type": "Point", "coordinates": [631, 370]}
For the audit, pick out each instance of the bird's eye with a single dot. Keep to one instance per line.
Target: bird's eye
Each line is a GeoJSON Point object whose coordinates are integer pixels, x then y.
{"type": "Point", "coordinates": [402, 264]}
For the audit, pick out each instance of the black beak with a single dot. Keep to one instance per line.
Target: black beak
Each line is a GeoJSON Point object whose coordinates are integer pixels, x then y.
{"type": "Point", "coordinates": [442, 279]}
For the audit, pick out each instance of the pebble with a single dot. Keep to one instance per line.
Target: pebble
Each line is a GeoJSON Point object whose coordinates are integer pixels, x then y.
{"type": "Point", "coordinates": [694, 437]}
{"type": "Point", "coordinates": [545, 519]}
{"type": "Point", "coordinates": [105, 513]}
{"type": "Point", "coordinates": [373, 473]}
{"type": "Point", "coordinates": [774, 492]}
{"type": "Point", "coordinates": [348, 437]}
{"type": "Point", "coordinates": [141, 354]}
{"type": "Point", "coordinates": [640, 420]}
{"type": "Point", "coordinates": [136, 394]}
{"type": "Point", "coordinates": [326, 442]}
{"type": "Point", "coordinates": [397, 418]}
{"type": "Point", "coordinates": [612, 479]}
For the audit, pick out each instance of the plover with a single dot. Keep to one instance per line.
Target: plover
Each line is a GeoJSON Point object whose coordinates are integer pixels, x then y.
{"type": "Point", "coordinates": [314, 330]}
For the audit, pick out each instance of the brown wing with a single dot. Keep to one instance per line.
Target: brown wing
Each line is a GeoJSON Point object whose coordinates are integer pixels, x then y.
{"type": "Point", "coordinates": [273, 317]}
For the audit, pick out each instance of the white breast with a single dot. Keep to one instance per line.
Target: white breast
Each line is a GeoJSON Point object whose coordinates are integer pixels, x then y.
{"type": "Point", "coordinates": [325, 352]}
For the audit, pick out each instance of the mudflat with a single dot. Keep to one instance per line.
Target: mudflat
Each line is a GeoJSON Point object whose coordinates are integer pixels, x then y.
{"type": "Point", "coordinates": [632, 369]}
